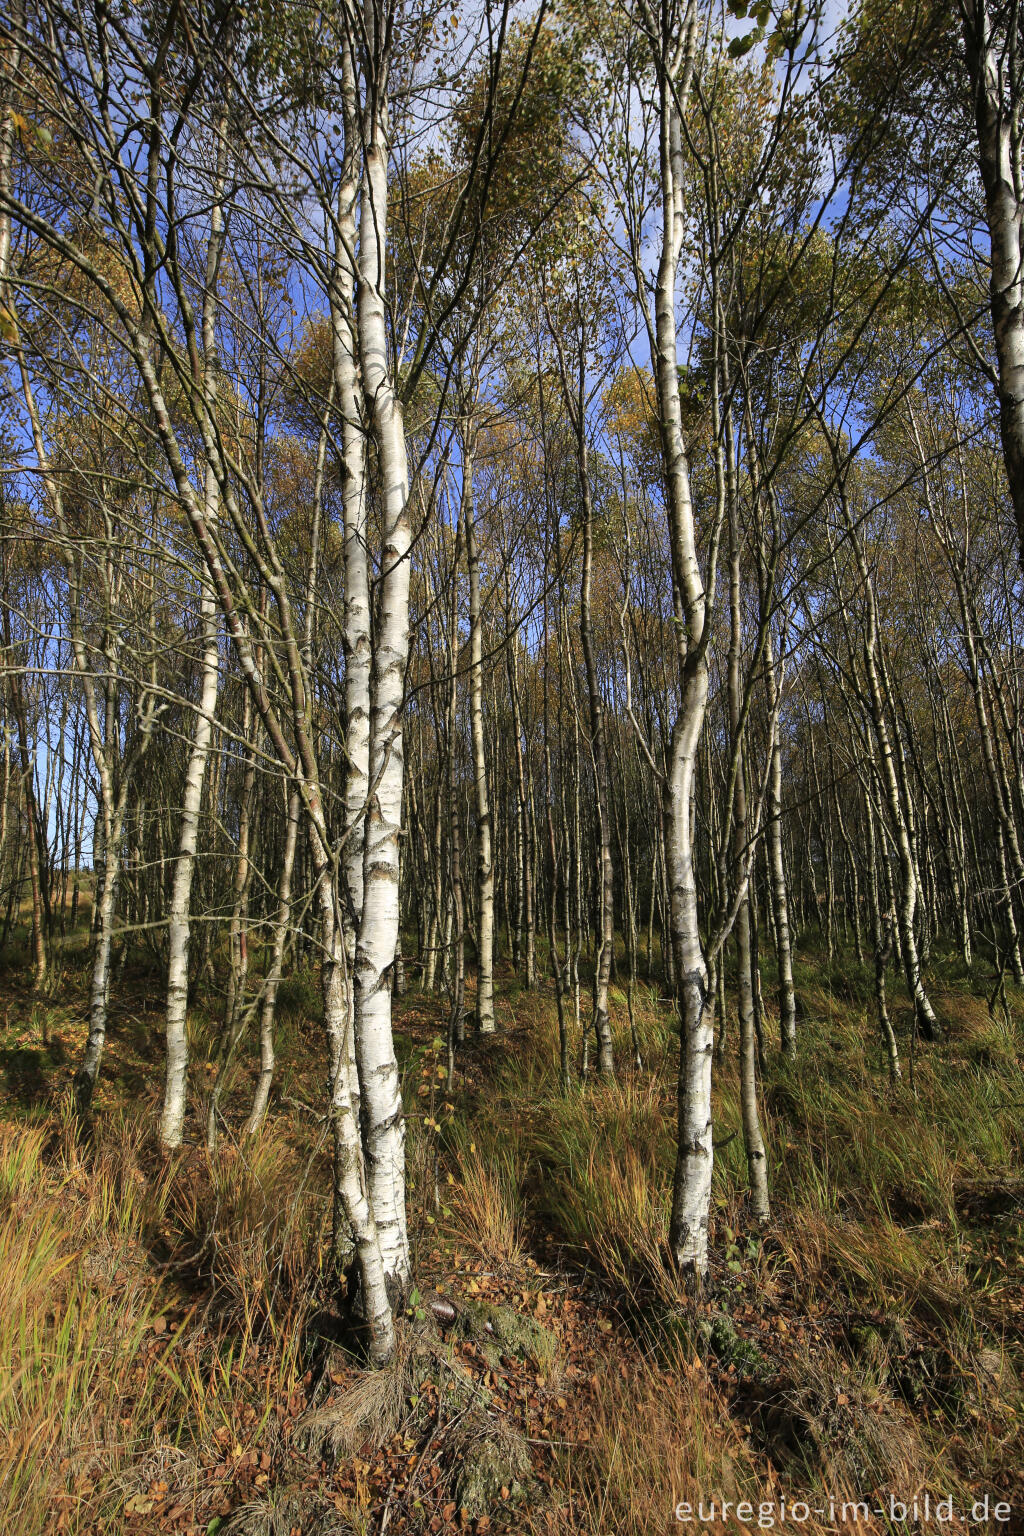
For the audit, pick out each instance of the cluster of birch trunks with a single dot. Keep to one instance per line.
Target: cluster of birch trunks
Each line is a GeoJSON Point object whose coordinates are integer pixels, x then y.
{"type": "Point", "coordinates": [508, 497]}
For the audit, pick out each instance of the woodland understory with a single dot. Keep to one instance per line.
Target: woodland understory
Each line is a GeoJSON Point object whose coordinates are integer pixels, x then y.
{"type": "Point", "coordinates": [511, 766]}
{"type": "Point", "coordinates": [178, 1362]}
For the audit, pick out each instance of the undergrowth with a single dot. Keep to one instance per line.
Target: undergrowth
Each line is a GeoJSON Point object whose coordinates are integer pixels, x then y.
{"type": "Point", "coordinates": [168, 1327]}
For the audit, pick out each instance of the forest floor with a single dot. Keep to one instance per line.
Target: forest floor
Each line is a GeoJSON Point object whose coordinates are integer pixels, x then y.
{"type": "Point", "coordinates": [172, 1360]}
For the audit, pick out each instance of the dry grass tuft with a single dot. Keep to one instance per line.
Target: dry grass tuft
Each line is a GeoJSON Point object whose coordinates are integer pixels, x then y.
{"type": "Point", "coordinates": [250, 1223]}
{"type": "Point", "coordinates": [854, 1438]}
{"type": "Point", "coordinates": [271, 1516]}
{"type": "Point", "coordinates": [656, 1435]}
{"type": "Point", "coordinates": [366, 1412]}
{"type": "Point", "coordinates": [876, 1262]}
{"type": "Point", "coordinates": [486, 1206]}
{"type": "Point", "coordinates": [606, 1156]}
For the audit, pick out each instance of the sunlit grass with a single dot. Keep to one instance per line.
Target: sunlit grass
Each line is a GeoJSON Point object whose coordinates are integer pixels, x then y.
{"type": "Point", "coordinates": [157, 1316]}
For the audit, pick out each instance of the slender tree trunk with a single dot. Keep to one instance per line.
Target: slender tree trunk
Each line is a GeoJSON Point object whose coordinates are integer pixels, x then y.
{"type": "Point", "coordinates": [599, 746]}
{"type": "Point", "coordinates": [238, 927]}
{"type": "Point", "coordinates": [278, 943]}
{"type": "Point", "coordinates": [355, 1226]}
{"type": "Point", "coordinates": [777, 876]}
{"type": "Point", "coordinates": [356, 630]}
{"type": "Point", "coordinates": [691, 1196]}
{"type": "Point", "coordinates": [99, 986]}
{"type": "Point", "coordinates": [381, 1109]}
{"type": "Point", "coordinates": [994, 68]}
{"type": "Point", "coordinates": [882, 944]}
{"type": "Point", "coordinates": [179, 925]}
{"type": "Point", "coordinates": [456, 1020]}
{"type": "Point", "coordinates": [484, 860]}
{"type": "Point", "coordinates": [529, 942]}
{"type": "Point", "coordinates": [753, 1141]}
{"type": "Point", "coordinates": [906, 909]}
{"type": "Point", "coordinates": [35, 869]}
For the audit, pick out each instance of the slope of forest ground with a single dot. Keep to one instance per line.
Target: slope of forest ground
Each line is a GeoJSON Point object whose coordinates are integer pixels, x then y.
{"type": "Point", "coordinates": [174, 1362]}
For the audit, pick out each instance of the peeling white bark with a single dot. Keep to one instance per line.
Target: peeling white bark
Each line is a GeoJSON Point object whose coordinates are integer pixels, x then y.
{"type": "Point", "coordinates": [381, 1110]}
{"type": "Point", "coordinates": [179, 925]}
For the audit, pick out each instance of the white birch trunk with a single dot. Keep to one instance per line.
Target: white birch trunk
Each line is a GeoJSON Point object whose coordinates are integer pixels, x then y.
{"type": "Point", "coordinates": [691, 1197]}
{"type": "Point", "coordinates": [907, 907]}
{"type": "Point", "coordinates": [599, 745]}
{"type": "Point", "coordinates": [99, 983]}
{"type": "Point", "coordinates": [381, 1109]}
{"type": "Point", "coordinates": [995, 68]}
{"type": "Point", "coordinates": [172, 1119]}
{"type": "Point", "coordinates": [753, 1141]}
{"type": "Point", "coordinates": [355, 1226]}
{"type": "Point", "coordinates": [261, 1098]}
{"type": "Point", "coordinates": [777, 875]}
{"type": "Point", "coordinates": [356, 629]}
{"type": "Point", "coordinates": [484, 857]}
